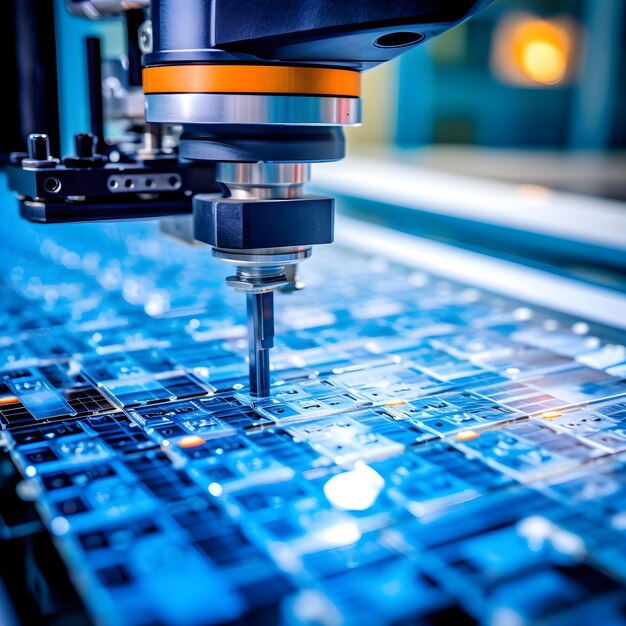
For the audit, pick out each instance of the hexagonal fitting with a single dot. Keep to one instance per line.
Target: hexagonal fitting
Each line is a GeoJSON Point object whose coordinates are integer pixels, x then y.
{"type": "Point", "coordinates": [244, 224]}
{"type": "Point", "coordinates": [243, 285]}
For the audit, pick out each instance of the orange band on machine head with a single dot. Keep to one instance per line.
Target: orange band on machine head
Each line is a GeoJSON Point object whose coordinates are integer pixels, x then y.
{"type": "Point", "coordinates": [265, 79]}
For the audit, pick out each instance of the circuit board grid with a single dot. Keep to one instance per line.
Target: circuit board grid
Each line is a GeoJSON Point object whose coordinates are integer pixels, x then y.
{"type": "Point", "coordinates": [431, 453]}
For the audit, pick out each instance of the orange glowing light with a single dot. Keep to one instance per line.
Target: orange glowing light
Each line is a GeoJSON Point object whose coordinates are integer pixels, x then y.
{"type": "Point", "coordinates": [543, 62]}
{"type": "Point", "coordinates": [466, 435]}
{"type": "Point", "coordinates": [550, 415]}
{"type": "Point", "coordinates": [530, 51]}
{"type": "Point", "coordinates": [191, 441]}
{"type": "Point", "coordinates": [9, 400]}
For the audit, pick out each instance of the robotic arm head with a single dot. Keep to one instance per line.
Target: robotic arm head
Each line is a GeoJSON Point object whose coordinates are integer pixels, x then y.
{"type": "Point", "coordinates": [262, 90]}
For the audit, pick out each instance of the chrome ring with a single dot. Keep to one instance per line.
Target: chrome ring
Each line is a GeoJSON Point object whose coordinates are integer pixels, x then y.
{"type": "Point", "coordinates": [261, 174]}
{"type": "Point", "coordinates": [213, 108]}
{"type": "Point", "coordinates": [263, 258]}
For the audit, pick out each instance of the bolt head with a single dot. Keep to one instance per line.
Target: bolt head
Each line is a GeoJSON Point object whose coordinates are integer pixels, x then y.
{"type": "Point", "coordinates": [145, 37]}
{"type": "Point", "coordinates": [244, 286]}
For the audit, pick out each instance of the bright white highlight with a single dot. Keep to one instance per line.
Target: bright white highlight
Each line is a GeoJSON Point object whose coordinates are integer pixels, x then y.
{"type": "Point", "coordinates": [356, 490]}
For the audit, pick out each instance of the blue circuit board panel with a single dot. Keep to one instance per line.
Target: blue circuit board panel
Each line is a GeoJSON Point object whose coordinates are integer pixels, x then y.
{"type": "Point", "coordinates": [431, 453]}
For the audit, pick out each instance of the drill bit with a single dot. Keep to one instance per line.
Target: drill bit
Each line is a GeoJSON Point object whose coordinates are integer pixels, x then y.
{"type": "Point", "coordinates": [260, 339]}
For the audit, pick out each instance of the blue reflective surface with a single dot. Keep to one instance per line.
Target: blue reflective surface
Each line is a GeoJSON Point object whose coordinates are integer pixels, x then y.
{"type": "Point", "coordinates": [431, 453]}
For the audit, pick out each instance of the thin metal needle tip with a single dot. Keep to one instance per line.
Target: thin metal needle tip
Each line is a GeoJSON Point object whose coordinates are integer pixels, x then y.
{"type": "Point", "coordinates": [260, 340]}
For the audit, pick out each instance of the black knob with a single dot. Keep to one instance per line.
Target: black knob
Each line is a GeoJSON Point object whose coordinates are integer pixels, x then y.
{"type": "Point", "coordinates": [85, 145]}
{"type": "Point", "coordinates": [38, 147]}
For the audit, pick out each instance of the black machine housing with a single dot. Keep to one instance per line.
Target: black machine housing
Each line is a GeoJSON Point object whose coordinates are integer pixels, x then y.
{"type": "Point", "coordinates": [359, 34]}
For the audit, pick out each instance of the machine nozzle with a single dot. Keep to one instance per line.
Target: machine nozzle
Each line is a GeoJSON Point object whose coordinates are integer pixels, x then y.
{"type": "Point", "coordinates": [261, 270]}
{"type": "Point", "coordinates": [259, 275]}
{"type": "Point", "coordinates": [261, 339]}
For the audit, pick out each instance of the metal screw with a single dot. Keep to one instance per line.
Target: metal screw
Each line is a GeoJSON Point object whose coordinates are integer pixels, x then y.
{"type": "Point", "coordinates": [145, 37]}
{"type": "Point", "coordinates": [85, 145]}
{"type": "Point", "coordinates": [38, 147]}
{"type": "Point", "coordinates": [39, 152]}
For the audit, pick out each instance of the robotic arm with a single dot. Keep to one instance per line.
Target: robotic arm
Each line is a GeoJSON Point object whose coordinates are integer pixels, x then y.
{"type": "Point", "coordinates": [262, 89]}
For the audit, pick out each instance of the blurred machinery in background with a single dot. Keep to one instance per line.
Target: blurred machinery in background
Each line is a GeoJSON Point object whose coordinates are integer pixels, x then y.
{"type": "Point", "coordinates": [492, 76]}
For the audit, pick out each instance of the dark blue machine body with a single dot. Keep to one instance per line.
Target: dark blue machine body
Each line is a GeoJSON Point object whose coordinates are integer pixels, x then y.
{"type": "Point", "coordinates": [359, 34]}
